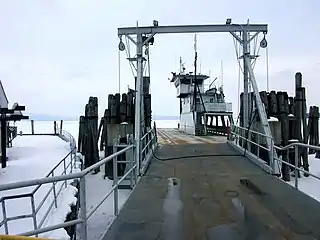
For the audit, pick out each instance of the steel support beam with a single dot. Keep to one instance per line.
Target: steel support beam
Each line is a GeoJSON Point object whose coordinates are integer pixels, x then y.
{"type": "Point", "coordinates": [246, 57]}
{"type": "Point", "coordinates": [139, 88]}
{"type": "Point", "coordinates": [263, 118]}
{"type": "Point", "coordinates": [193, 29]}
{"type": "Point", "coordinates": [245, 29]}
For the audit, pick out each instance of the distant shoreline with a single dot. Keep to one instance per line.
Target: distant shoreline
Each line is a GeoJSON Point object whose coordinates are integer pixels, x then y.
{"type": "Point", "coordinates": [58, 118]}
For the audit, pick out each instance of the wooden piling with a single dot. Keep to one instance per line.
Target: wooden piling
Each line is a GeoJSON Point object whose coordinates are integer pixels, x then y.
{"type": "Point", "coordinates": [61, 125]}
{"type": "Point", "coordinates": [32, 127]}
{"type": "Point", "coordinates": [81, 134]}
{"type": "Point", "coordinates": [304, 151]}
{"type": "Point", "coordinates": [55, 127]}
{"type": "Point", "coordinates": [298, 110]}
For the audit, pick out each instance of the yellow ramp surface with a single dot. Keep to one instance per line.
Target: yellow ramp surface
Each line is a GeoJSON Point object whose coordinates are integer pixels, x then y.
{"type": "Point", "coordinates": [11, 237]}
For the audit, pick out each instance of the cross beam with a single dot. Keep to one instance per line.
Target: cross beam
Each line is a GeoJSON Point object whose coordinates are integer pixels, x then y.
{"type": "Point", "coordinates": [193, 29]}
{"type": "Point", "coordinates": [244, 39]}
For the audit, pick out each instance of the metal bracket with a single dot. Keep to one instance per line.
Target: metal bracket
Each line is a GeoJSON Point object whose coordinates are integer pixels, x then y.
{"type": "Point", "coordinates": [236, 37]}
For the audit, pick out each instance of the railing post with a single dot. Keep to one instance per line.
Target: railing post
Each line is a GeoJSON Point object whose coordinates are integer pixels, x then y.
{"type": "Point", "coordinates": [136, 165]}
{"type": "Point", "coordinates": [65, 171]}
{"type": "Point", "coordinates": [138, 155]}
{"type": "Point", "coordinates": [296, 159]}
{"type": "Point", "coordinates": [34, 217]}
{"type": "Point", "coordinates": [71, 165]}
{"type": "Point", "coordinates": [249, 141]}
{"type": "Point", "coordinates": [155, 131]}
{"type": "Point", "coordinates": [4, 213]}
{"type": "Point", "coordinates": [83, 208]}
{"type": "Point", "coordinates": [132, 170]}
{"type": "Point", "coordinates": [54, 192]}
{"type": "Point", "coordinates": [272, 156]}
{"type": "Point", "coordinates": [115, 183]}
{"type": "Point", "coordinates": [258, 146]}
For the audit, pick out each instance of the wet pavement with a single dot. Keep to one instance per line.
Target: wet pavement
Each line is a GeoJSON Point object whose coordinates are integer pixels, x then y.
{"type": "Point", "coordinates": [217, 197]}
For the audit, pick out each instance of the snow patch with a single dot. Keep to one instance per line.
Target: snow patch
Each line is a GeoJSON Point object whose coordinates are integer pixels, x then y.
{"type": "Point", "coordinates": [273, 119]}
{"type": "Point", "coordinates": [310, 185]}
{"type": "Point", "coordinates": [30, 157]}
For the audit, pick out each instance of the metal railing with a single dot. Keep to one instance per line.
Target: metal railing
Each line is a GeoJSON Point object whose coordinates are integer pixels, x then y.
{"type": "Point", "coordinates": [66, 136]}
{"type": "Point", "coordinates": [238, 133]}
{"type": "Point", "coordinates": [81, 176]}
{"type": "Point", "coordinates": [67, 163]}
{"type": "Point", "coordinates": [245, 139]}
{"type": "Point", "coordinates": [296, 166]}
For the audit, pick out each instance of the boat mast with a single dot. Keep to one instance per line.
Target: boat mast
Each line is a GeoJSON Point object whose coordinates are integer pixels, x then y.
{"type": "Point", "coordinates": [195, 74]}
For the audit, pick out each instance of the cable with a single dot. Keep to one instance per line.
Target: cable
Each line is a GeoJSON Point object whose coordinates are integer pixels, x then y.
{"type": "Point", "coordinates": [119, 72]}
{"type": "Point", "coordinates": [267, 66]}
{"type": "Point", "coordinates": [194, 156]}
{"type": "Point", "coordinates": [128, 55]}
{"type": "Point", "coordinates": [237, 54]}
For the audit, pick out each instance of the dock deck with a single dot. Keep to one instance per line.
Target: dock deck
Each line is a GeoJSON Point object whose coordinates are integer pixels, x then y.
{"type": "Point", "coordinates": [212, 197]}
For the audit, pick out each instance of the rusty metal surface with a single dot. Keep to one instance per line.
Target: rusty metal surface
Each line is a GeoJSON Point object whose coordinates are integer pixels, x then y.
{"type": "Point", "coordinates": [171, 136]}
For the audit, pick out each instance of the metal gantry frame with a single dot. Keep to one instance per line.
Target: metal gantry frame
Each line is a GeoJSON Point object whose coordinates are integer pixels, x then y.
{"type": "Point", "coordinates": [243, 33]}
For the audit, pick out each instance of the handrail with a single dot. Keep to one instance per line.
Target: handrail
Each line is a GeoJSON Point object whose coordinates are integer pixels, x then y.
{"type": "Point", "coordinates": [35, 210]}
{"type": "Point", "coordinates": [297, 144]}
{"type": "Point", "coordinates": [83, 215]}
{"type": "Point", "coordinates": [252, 131]}
{"type": "Point", "coordinates": [294, 145]}
{"type": "Point", "coordinates": [34, 182]}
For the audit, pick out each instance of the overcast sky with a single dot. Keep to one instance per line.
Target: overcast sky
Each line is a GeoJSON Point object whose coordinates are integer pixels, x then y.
{"type": "Point", "coordinates": [55, 54]}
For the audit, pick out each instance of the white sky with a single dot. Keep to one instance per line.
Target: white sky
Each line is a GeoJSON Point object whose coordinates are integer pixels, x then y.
{"type": "Point", "coordinates": [55, 54]}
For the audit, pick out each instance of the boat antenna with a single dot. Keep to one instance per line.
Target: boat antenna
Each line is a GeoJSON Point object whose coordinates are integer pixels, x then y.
{"type": "Point", "coordinates": [221, 73]}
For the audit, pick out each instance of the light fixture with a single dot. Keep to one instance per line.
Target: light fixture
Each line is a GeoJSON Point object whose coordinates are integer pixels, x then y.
{"type": "Point", "coordinates": [228, 21]}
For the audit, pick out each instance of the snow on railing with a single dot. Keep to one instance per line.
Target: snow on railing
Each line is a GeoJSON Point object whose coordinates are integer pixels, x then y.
{"type": "Point", "coordinates": [68, 165]}
{"type": "Point", "coordinates": [52, 193]}
{"type": "Point", "coordinates": [85, 213]}
{"type": "Point", "coordinates": [66, 136]}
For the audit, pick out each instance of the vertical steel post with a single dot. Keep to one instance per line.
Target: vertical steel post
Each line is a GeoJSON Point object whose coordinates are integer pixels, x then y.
{"type": "Point", "coordinates": [83, 208]}
{"type": "Point", "coordinates": [271, 157]}
{"type": "Point", "coordinates": [138, 94]}
{"type": "Point", "coordinates": [54, 192]}
{"type": "Point", "coordinates": [65, 171]}
{"type": "Point", "coordinates": [71, 165]}
{"type": "Point", "coordinates": [258, 142]}
{"type": "Point", "coordinates": [246, 55]}
{"type": "Point", "coordinates": [115, 183]}
{"type": "Point", "coordinates": [34, 216]}
{"type": "Point", "coordinates": [4, 213]}
{"type": "Point", "coordinates": [296, 160]}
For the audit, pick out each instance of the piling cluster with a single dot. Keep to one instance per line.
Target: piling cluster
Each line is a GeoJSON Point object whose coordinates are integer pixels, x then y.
{"type": "Point", "coordinates": [291, 112]}
{"type": "Point", "coordinates": [88, 133]}
{"type": "Point", "coordinates": [115, 127]}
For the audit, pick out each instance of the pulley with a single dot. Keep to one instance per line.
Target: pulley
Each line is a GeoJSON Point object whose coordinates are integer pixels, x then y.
{"type": "Point", "coordinates": [121, 45]}
{"type": "Point", "coordinates": [264, 43]}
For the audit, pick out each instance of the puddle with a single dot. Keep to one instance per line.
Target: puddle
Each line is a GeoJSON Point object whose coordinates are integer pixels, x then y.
{"type": "Point", "coordinates": [172, 211]}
